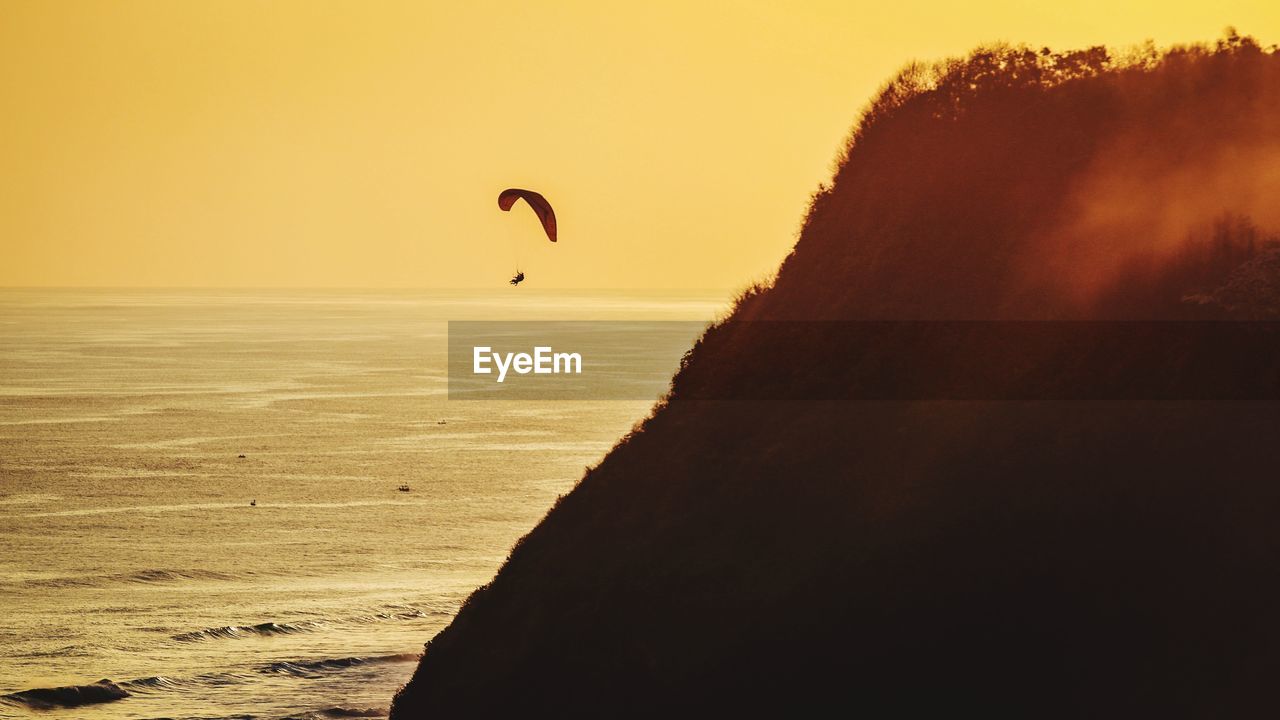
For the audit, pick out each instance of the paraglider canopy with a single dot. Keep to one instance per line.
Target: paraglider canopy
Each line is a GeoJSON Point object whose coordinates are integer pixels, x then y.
{"type": "Point", "coordinates": [508, 197]}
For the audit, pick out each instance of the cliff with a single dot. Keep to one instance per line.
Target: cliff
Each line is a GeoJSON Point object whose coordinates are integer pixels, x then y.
{"type": "Point", "coordinates": [976, 449]}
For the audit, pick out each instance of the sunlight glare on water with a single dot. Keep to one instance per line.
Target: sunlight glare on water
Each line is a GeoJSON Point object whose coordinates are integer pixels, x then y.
{"type": "Point", "coordinates": [128, 546]}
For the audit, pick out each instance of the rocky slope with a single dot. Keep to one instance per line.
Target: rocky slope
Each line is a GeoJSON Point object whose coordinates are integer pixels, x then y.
{"type": "Point", "coordinates": [857, 495]}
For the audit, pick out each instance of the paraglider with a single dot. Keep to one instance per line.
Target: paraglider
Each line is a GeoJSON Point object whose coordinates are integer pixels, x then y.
{"type": "Point", "coordinates": [546, 215]}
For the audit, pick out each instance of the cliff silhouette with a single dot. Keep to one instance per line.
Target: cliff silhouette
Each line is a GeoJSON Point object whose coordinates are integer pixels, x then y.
{"type": "Point", "coordinates": [999, 438]}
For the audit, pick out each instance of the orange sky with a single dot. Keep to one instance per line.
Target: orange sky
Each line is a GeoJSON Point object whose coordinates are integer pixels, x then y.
{"type": "Point", "coordinates": [362, 144]}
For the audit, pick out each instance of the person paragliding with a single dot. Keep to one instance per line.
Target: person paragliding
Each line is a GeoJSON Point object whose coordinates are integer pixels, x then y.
{"type": "Point", "coordinates": [546, 215]}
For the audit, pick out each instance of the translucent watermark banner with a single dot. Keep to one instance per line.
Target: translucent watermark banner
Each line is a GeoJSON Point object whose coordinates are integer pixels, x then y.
{"type": "Point", "coordinates": [566, 360]}
{"type": "Point", "coordinates": [867, 360]}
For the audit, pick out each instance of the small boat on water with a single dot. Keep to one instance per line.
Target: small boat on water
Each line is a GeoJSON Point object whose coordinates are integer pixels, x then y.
{"type": "Point", "coordinates": [403, 488]}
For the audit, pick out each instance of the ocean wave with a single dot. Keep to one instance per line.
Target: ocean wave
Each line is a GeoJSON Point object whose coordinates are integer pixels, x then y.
{"type": "Point", "coordinates": [148, 576]}
{"type": "Point", "coordinates": [105, 690]}
{"type": "Point", "coordinates": [310, 668]}
{"type": "Point", "coordinates": [28, 498]}
{"type": "Point", "coordinates": [346, 712]}
{"type": "Point", "coordinates": [157, 576]}
{"type": "Point", "coordinates": [386, 613]}
{"type": "Point", "coordinates": [214, 717]}
{"type": "Point", "coordinates": [391, 614]}
{"type": "Point", "coordinates": [239, 506]}
{"type": "Point", "coordinates": [231, 632]}
{"type": "Point", "coordinates": [156, 682]}
{"type": "Point", "coordinates": [67, 696]}
{"type": "Point", "coordinates": [60, 651]}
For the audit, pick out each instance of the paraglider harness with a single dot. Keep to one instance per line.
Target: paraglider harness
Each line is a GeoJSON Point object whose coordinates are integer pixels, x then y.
{"type": "Point", "coordinates": [546, 215]}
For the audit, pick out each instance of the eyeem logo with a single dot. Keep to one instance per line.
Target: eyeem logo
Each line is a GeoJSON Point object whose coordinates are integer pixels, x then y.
{"type": "Point", "coordinates": [543, 361]}
{"type": "Point", "coordinates": [566, 359]}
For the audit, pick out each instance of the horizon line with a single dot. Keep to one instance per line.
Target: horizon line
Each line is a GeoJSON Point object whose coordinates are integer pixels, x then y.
{"type": "Point", "coordinates": [343, 288]}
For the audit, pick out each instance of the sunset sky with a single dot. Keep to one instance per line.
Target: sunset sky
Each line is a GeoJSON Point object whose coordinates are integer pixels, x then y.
{"type": "Point", "coordinates": [362, 144]}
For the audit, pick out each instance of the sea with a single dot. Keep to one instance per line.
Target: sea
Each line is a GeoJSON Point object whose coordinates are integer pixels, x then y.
{"type": "Point", "coordinates": [200, 490]}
